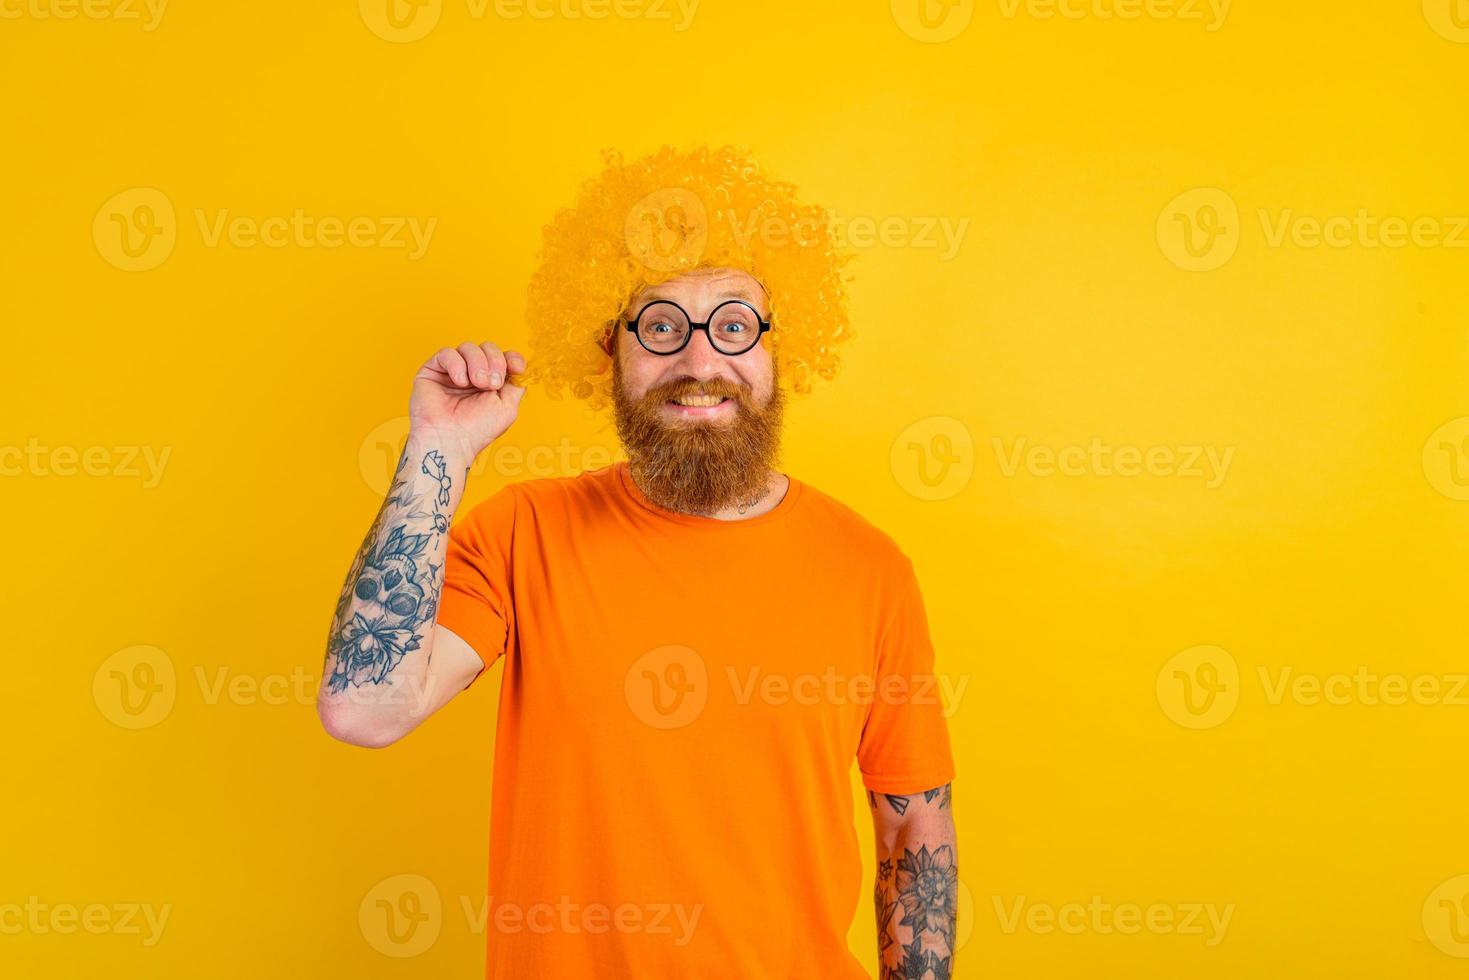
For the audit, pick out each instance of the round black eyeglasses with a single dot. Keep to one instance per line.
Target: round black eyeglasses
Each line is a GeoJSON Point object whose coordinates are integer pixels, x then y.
{"type": "Point", "coordinates": [663, 327]}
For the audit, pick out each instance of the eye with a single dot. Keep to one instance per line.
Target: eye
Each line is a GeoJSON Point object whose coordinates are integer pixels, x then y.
{"type": "Point", "coordinates": [366, 588]}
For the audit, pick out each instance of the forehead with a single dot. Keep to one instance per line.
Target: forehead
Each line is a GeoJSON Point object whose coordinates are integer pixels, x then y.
{"type": "Point", "coordinates": [712, 283]}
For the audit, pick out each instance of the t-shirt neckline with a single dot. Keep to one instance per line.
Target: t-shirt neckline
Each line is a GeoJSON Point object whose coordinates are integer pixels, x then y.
{"type": "Point", "coordinates": [631, 489]}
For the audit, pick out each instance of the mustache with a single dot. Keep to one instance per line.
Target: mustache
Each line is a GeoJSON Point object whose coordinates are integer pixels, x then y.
{"type": "Point", "coordinates": [716, 387]}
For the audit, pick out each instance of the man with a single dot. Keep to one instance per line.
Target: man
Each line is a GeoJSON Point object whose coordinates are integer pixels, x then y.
{"type": "Point", "coordinates": [696, 646]}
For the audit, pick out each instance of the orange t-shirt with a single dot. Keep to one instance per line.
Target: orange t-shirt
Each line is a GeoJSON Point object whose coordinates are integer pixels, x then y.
{"type": "Point", "coordinates": [682, 702]}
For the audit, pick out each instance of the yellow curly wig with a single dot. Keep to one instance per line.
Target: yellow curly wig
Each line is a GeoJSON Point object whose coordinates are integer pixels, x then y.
{"type": "Point", "coordinates": [641, 223]}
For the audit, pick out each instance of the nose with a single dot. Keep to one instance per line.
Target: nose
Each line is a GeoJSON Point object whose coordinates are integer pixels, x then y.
{"type": "Point", "coordinates": [700, 358]}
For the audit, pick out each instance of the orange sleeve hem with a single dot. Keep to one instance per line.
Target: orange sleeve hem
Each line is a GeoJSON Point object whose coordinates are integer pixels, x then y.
{"type": "Point", "coordinates": [460, 614]}
{"type": "Point", "coordinates": [908, 784]}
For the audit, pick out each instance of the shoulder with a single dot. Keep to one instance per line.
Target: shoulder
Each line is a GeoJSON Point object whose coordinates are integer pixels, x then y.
{"type": "Point", "coordinates": [538, 494]}
{"type": "Point", "coordinates": [841, 524]}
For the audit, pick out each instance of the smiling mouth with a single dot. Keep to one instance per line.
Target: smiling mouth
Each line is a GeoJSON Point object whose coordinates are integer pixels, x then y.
{"type": "Point", "coordinates": [698, 401]}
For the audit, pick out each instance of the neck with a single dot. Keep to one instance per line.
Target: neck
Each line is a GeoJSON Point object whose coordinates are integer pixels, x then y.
{"type": "Point", "coordinates": [767, 499]}
{"type": "Point", "coordinates": [773, 492]}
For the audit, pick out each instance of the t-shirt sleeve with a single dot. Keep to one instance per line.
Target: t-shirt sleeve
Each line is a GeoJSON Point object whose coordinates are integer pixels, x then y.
{"type": "Point", "coordinates": [905, 742]}
{"type": "Point", "coordinates": [477, 600]}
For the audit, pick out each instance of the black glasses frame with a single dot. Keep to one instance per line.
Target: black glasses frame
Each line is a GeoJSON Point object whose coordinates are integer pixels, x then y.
{"type": "Point", "coordinates": [632, 325]}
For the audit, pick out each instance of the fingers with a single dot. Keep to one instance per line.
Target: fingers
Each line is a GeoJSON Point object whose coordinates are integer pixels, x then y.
{"type": "Point", "coordinates": [479, 359]}
{"type": "Point", "coordinates": [482, 366]}
{"type": "Point", "coordinates": [451, 362]}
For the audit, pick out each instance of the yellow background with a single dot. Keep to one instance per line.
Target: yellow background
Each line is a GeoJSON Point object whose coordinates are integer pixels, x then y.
{"type": "Point", "coordinates": [273, 377]}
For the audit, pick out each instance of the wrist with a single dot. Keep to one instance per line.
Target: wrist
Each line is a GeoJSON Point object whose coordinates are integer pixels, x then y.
{"type": "Point", "coordinates": [458, 454]}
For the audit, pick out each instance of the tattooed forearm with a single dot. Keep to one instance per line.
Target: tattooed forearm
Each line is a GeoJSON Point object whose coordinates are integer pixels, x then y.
{"type": "Point", "coordinates": [389, 600]}
{"type": "Point", "coordinates": [916, 894]}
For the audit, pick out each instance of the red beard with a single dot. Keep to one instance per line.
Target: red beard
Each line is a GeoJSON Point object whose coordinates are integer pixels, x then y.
{"type": "Point", "coordinates": [699, 466]}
